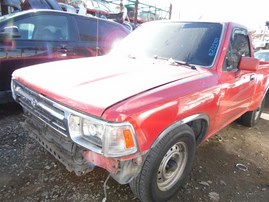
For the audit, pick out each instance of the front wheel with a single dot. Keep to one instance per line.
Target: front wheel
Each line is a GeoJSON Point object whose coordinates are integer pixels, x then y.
{"type": "Point", "coordinates": [166, 166]}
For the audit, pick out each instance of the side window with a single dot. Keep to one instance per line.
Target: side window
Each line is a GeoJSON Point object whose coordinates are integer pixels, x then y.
{"type": "Point", "coordinates": [238, 47]}
{"type": "Point", "coordinates": [52, 27]}
{"type": "Point", "coordinates": [87, 29]}
{"type": "Point", "coordinates": [43, 27]}
{"type": "Point", "coordinates": [26, 30]}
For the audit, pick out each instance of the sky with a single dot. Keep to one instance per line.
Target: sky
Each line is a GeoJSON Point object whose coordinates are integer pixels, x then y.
{"type": "Point", "coordinates": [253, 15]}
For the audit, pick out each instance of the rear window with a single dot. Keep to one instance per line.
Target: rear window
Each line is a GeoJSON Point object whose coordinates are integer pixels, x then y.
{"type": "Point", "coordinates": [106, 32]}
{"type": "Point", "coordinates": [87, 29]}
{"type": "Point", "coordinates": [112, 32]}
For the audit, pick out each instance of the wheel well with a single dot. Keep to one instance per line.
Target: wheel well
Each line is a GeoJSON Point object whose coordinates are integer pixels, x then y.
{"type": "Point", "coordinates": [267, 98]}
{"type": "Point", "coordinates": [199, 127]}
{"type": "Point", "coordinates": [198, 123]}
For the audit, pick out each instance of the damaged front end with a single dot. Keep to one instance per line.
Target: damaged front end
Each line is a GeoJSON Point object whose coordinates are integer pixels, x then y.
{"type": "Point", "coordinates": [78, 141]}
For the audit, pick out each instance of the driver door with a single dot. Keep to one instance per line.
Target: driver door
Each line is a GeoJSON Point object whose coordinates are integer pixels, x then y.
{"type": "Point", "coordinates": [238, 87]}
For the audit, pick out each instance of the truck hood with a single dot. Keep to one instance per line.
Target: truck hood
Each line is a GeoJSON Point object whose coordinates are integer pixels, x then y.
{"type": "Point", "coordinates": [92, 85]}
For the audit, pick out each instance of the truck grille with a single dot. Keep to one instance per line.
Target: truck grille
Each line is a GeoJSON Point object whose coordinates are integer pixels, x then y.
{"type": "Point", "coordinates": [44, 109]}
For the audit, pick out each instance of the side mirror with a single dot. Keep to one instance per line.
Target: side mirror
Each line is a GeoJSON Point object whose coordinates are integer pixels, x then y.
{"type": "Point", "coordinates": [10, 32]}
{"type": "Point", "coordinates": [248, 63]}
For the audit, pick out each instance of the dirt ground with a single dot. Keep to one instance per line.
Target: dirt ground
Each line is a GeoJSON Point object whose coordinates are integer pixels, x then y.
{"type": "Point", "coordinates": [232, 166]}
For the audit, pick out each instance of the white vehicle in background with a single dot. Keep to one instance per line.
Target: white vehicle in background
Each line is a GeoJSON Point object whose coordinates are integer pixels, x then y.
{"type": "Point", "coordinates": [262, 55]}
{"type": "Point", "coordinates": [261, 43]}
{"type": "Point", "coordinates": [261, 38]}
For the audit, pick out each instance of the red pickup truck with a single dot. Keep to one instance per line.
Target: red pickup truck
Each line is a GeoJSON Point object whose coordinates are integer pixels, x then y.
{"type": "Point", "coordinates": [140, 111]}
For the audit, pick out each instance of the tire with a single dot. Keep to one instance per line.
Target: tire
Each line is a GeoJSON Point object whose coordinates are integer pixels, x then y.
{"type": "Point", "coordinates": [166, 166]}
{"type": "Point", "coordinates": [251, 118]}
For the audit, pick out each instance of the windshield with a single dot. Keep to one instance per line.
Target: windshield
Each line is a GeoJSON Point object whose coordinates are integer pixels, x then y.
{"type": "Point", "coordinates": [192, 42]}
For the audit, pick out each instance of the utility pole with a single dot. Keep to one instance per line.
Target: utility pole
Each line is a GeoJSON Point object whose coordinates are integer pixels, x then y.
{"type": "Point", "coordinates": [170, 11]}
{"type": "Point", "coordinates": [136, 12]}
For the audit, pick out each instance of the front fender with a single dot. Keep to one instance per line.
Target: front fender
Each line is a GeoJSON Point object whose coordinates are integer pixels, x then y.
{"type": "Point", "coordinates": [187, 120]}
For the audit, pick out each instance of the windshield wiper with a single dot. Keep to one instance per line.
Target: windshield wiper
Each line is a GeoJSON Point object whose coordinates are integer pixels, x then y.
{"type": "Point", "coordinates": [179, 62]}
{"type": "Point", "coordinates": [173, 61]}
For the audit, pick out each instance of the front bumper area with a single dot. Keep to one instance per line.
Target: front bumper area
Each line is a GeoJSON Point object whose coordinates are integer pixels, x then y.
{"type": "Point", "coordinates": [47, 122]}
{"type": "Point", "coordinates": [62, 148]}
{"type": "Point", "coordinates": [76, 158]}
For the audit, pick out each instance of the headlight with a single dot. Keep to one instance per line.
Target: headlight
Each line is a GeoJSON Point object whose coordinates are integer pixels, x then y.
{"type": "Point", "coordinates": [109, 139]}
{"type": "Point", "coordinates": [93, 132]}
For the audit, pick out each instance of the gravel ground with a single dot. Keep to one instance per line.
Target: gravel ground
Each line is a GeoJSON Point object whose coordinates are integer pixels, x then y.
{"type": "Point", "coordinates": [231, 166]}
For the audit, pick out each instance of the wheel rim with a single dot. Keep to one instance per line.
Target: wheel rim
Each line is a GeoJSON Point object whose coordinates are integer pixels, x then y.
{"type": "Point", "coordinates": [172, 166]}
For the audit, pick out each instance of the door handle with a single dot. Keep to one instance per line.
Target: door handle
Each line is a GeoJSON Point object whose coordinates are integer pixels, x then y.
{"type": "Point", "coordinates": [252, 77]}
{"type": "Point", "coordinates": [63, 50]}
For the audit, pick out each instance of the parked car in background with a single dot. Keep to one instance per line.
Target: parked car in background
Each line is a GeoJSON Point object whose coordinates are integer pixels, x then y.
{"type": "Point", "coordinates": [261, 44]}
{"type": "Point", "coordinates": [262, 55]}
{"type": "Point", "coordinates": [38, 36]}
{"type": "Point", "coordinates": [9, 6]}
{"type": "Point", "coordinates": [40, 4]}
{"type": "Point", "coordinates": [68, 8]}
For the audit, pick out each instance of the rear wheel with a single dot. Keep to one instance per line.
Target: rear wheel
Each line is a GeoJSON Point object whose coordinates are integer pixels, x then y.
{"type": "Point", "coordinates": [166, 167]}
{"type": "Point", "coordinates": [251, 118]}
